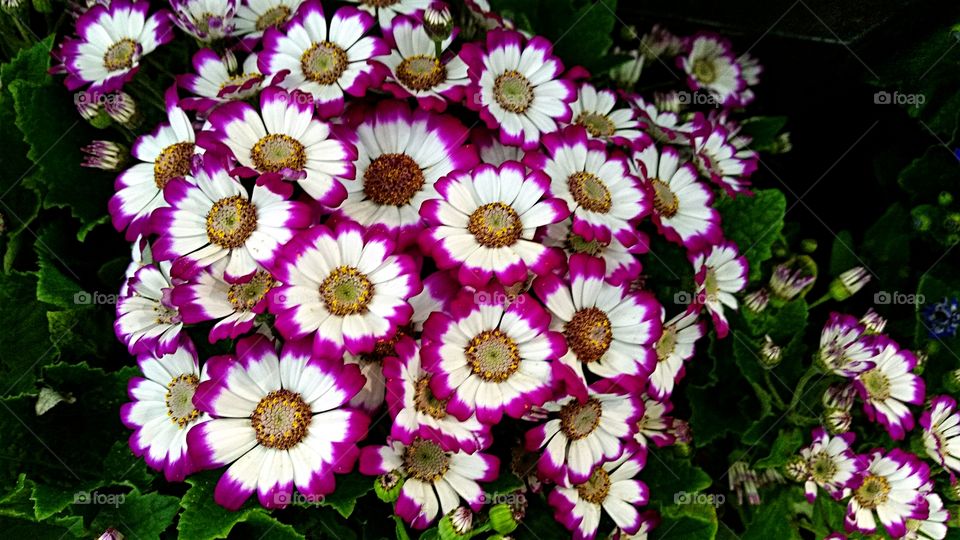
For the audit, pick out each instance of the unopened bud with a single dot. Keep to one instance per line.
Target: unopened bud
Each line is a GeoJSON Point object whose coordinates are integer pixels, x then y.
{"type": "Point", "coordinates": [388, 486]}
{"type": "Point", "coordinates": [837, 421]}
{"type": "Point", "coordinates": [437, 21]}
{"type": "Point", "coordinates": [501, 519]}
{"type": "Point", "coordinates": [106, 155]}
{"type": "Point", "coordinates": [849, 283]}
{"type": "Point", "coordinates": [770, 353]}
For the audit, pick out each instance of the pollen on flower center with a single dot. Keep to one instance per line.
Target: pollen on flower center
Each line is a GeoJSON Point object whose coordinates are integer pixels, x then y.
{"type": "Point", "coordinates": [392, 179]}
{"type": "Point", "coordinates": [822, 467]}
{"type": "Point", "coordinates": [276, 152]}
{"type": "Point", "coordinates": [120, 55]}
{"type": "Point", "coordinates": [385, 347]}
{"type": "Point", "coordinates": [493, 355]}
{"type": "Point", "coordinates": [274, 16]}
{"type": "Point", "coordinates": [231, 221]}
{"type": "Point", "coordinates": [589, 192]}
{"type": "Point", "coordinates": [577, 244]}
{"type": "Point", "coordinates": [346, 291]}
{"type": "Point", "coordinates": [173, 162]}
{"type": "Point", "coordinates": [589, 334]}
{"type": "Point", "coordinates": [323, 62]}
{"type": "Point", "coordinates": [379, 3]}
{"type": "Point", "coordinates": [281, 419]}
{"type": "Point", "coordinates": [421, 72]}
{"type": "Point", "coordinates": [596, 124]}
{"type": "Point", "coordinates": [577, 420]}
{"type": "Point", "coordinates": [666, 344]}
{"type": "Point", "coordinates": [240, 80]}
{"type": "Point", "coordinates": [425, 460]}
{"type": "Point", "coordinates": [877, 384]}
{"type": "Point", "coordinates": [596, 489]}
{"type": "Point", "coordinates": [179, 399]}
{"type": "Point", "coordinates": [872, 492]}
{"type": "Point", "coordinates": [704, 70]}
{"type": "Point", "coordinates": [495, 225]}
{"type": "Point", "coordinates": [246, 296]}
{"type": "Point", "coordinates": [426, 402]}
{"type": "Point", "coordinates": [513, 92]}
{"type": "Point", "coordinates": [665, 201]}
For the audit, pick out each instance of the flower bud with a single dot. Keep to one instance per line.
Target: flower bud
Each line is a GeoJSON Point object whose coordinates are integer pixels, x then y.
{"type": "Point", "coordinates": [388, 486]}
{"type": "Point", "coordinates": [793, 278]}
{"type": "Point", "coordinates": [839, 396]}
{"type": "Point", "coordinates": [808, 245]}
{"type": "Point", "coordinates": [106, 155]}
{"type": "Point", "coordinates": [945, 198]}
{"type": "Point", "coordinates": [849, 283]}
{"type": "Point", "coordinates": [770, 353]}
{"type": "Point", "coordinates": [456, 524]}
{"type": "Point", "coordinates": [837, 421]}
{"type": "Point", "coordinates": [952, 381]}
{"type": "Point", "coordinates": [757, 301]}
{"type": "Point", "coordinates": [122, 109]}
{"type": "Point", "coordinates": [873, 322]}
{"type": "Point", "coordinates": [627, 74]}
{"type": "Point", "coordinates": [437, 21]}
{"type": "Point", "coordinates": [501, 519]}
{"type": "Point", "coordinates": [111, 534]}
{"type": "Point", "coordinates": [796, 469]}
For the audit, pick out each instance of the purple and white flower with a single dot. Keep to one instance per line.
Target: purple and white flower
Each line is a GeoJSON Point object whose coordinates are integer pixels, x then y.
{"type": "Point", "coordinates": [147, 321]}
{"type": "Point", "coordinates": [254, 17]}
{"type": "Point", "coordinates": [934, 526]}
{"type": "Point", "coordinates": [720, 272]}
{"type": "Point", "coordinates": [889, 386]}
{"type": "Point", "coordinates": [205, 20]}
{"type": "Point", "coordinates": [621, 262]}
{"type": "Point", "coordinates": [711, 65]}
{"type": "Point", "coordinates": [675, 346]}
{"type": "Point", "coordinates": [941, 432]}
{"type": "Point", "coordinates": [893, 487]}
{"type": "Point", "coordinates": [844, 347]}
{"type": "Point", "coordinates": [594, 110]}
{"type": "Point", "coordinates": [387, 11]}
{"type": "Point", "coordinates": [491, 150]}
{"type": "Point", "coordinates": [722, 162]}
{"type": "Point", "coordinates": [215, 81]}
{"type": "Point", "coordinates": [829, 463]}
{"type": "Point", "coordinates": [655, 425]}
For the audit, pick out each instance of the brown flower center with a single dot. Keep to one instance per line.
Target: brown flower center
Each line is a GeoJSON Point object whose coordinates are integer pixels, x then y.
{"type": "Point", "coordinates": [120, 55]}
{"type": "Point", "coordinates": [597, 125]}
{"type": "Point", "coordinates": [589, 334]}
{"type": "Point", "coordinates": [276, 152]}
{"type": "Point", "coordinates": [281, 419]}
{"type": "Point", "coordinates": [179, 399]}
{"type": "Point", "coordinates": [666, 344]}
{"type": "Point", "coordinates": [231, 221]}
{"type": "Point", "coordinates": [665, 201]}
{"type": "Point", "coordinates": [346, 291]}
{"type": "Point", "coordinates": [589, 192]}
{"type": "Point", "coordinates": [425, 460]}
{"type": "Point", "coordinates": [577, 420]}
{"type": "Point", "coordinates": [873, 492]}
{"type": "Point", "coordinates": [274, 16]}
{"type": "Point", "coordinates": [704, 71]}
{"type": "Point", "coordinates": [596, 489]}
{"type": "Point", "coordinates": [513, 92]}
{"type": "Point", "coordinates": [493, 355]}
{"type": "Point", "coordinates": [421, 72]}
{"type": "Point", "coordinates": [877, 384]}
{"type": "Point", "coordinates": [392, 179]}
{"type": "Point", "coordinates": [246, 296]}
{"type": "Point", "coordinates": [173, 162]}
{"type": "Point", "coordinates": [495, 225]}
{"type": "Point", "coordinates": [426, 402]}
{"type": "Point", "coordinates": [822, 467]}
{"type": "Point", "coordinates": [324, 62]}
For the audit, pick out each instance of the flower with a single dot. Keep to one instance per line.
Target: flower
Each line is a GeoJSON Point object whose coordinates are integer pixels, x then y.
{"type": "Point", "coordinates": [594, 111]}
{"type": "Point", "coordinates": [277, 422]}
{"type": "Point", "coordinates": [620, 261]}
{"type": "Point", "coordinates": [146, 319]}
{"type": "Point", "coordinates": [790, 279]}
{"type": "Point", "coordinates": [387, 10]}
{"type": "Point", "coordinates": [438, 21]}
{"type": "Point", "coordinates": [489, 359]}
{"type": "Point", "coordinates": [674, 347]}
{"type": "Point", "coordinates": [418, 413]}
{"type": "Point", "coordinates": [161, 409]}
{"type": "Point", "coordinates": [626, 74]}
{"type": "Point", "coordinates": [942, 318]}
{"type": "Point", "coordinates": [583, 434]}
{"type": "Point", "coordinates": [934, 526]}
{"type": "Point", "coordinates": [609, 329]}
{"type": "Point", "coordinates": [112, 40]}
{"type": "Point", "coordinates": [343, 289]}
{"type": "Point", "coordinates": [710, 65]}
{"type": "Point", "coordinates": [718, 159]}
{"type": "Point", "coordinates": [848, 283]}
{"type": "Point", "coordinates": [206, 20]}
{"type": "Point", "coordinates": [491, 150]}
{"type": "Point", "coordinates": [757, 301]}
{"type": "Point", "coordinates": [400, 156]}
{"type": "Point", "coordinates": [254, 17]}
{"type": "Point", "coordinates": [770, 353]}
{"type": "Point", "coordinates": [105, 155]}
{"type": "Point", "coordinates": [682, 208]}
{"type": "Point", "coordinates": [284, 138]}
{"type": "Point", "coordinates": [830, 464]}
{"type": "Point", "coordinates": [436, 480]}
{"type": "Point", "coordinates": [720, 272]}
{"type": "Point", "coordinates": [414, 69]}
{"type": "Point", "coordinates": [598, 188]}
{"type": "Point", "coordinates": [439, 289]}
{"type": "Point", "coordinates": [893, 487]}
{"type": "Point", "coordinates": [165, 154]}
{"type": "Point", "coordinates": [843, 349]}
{"type": "Point", "coordinates": [209, 296]}
{"type": "Point", "coordinates": [324, 63]}
{"type": "Point", "coordinates": [660, 123]}
{"type": "Point", "coordinates": [941, 432]}
{"type": "Point", "coordinates": [215, 81]}
{"type": "Point", "coordinates": [215, 218]}
{"type": "Point", "coordinates": [655, 426]}
{"type": "Point", "coordinates": [485, 220]}
{"type": "Point", "coordinates": [515, 88]}
{"type": "Point", "coordinates": [889, 386]}
{"type": "Point", "coordinates": [611, 489]}
{"type": "Point", "coordinates": [873, 322]}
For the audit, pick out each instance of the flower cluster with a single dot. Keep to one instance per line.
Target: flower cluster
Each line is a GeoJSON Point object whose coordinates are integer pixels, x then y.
{"type": "Point", "coordinates": [322, 205]}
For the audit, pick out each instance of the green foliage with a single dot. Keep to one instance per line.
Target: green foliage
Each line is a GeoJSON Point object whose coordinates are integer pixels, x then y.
{"type": "Point", "coordinates": [754, 224]}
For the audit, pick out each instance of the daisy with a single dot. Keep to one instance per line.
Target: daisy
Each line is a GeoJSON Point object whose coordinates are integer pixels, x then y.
{"type": "Point", "coordinates": [663, 125]}
{"type": "Point", "coordinates": [486, 17]}
{"type": "Point", "coordinates": [439, 289]}
{"type": "Point", "coordinates": [675, 346]}
{"type": "Point", "coordinates": [140, 256]}
{"type": "Point", "coordinates": [400, 156]}
{"type": "Point", "coordinates": [373, 393]}
{"type": "Point", "coordinates": [112, 40]}
{"type": "Point", "coordinates": [941, 432]}
{"type": "Point", "coordinates": [750, 70]}
{"type": "Point", "coordinates": [418, 413]}
{"type": "Point", "coordinates": [934, 526]}
{"type": "Point", "coordinates": [594, 111]}
{"type": "Point", "coordinates": [323, 62]}
{"type": "Point", "coordinates": [893, 488]}
{"type": "Point", "coordinates": [415, 69]}
{"type": "Point", "coordinates": [387, 10]}
{"type": "Point", "coordinates": [161, 410]}
{"type": "Point", "coordinates": [844, 350]}
{"type": "Point", "coordinates": [621, 263]}
{"type": "Point", "coordinates": [710, 65]}
{"type": "Point", "coordinates": [515, 88]}
{"type": "Point", "coordinates": [435, 480]}
{"type": "Point", "coordinates": [205, 20]}
{"type": "Point", "coordinates": [682, 208]}
{"type": "Point", "coordinates": [485, 222]}
{"type": "Point", "coordinates": [583, 434]}
{"type": "Point", "coordinates": [215, 81]}
{"type": "Point", "coordinates": [611, 489]}
{"type": "Point", "coordinates": [720, 272]}
{"type": "Point", "coordinates": [719, 160]}
{"type": "Point", "coordinates": [254, 17]}
{"type": "Point", "coordinates": [608, 329]}
{"type": "Point", "coordinates": [655, 426]}
{"type": "Point", "coordinates": [830, 464]}
{"type": "Point", "coordinates": [164, 154]}
{"type": "Point", "coordinates": [276, 422]}
{"type": "Point", "coordinates": [598, 188]}
{"type": "Point", "coordinates": [342, 289]}
{"type": "Point", "coordinates": [487, 359]}
{"type": "Point", "coordinates": [889, 386]}
{"type": "Point", "coordinates": [147, 322]}
{"type": "Point", "coordinates": [491, 150]}
{"type": "Point", "coordinates": [217, 218]}
{"type": "Point", "coordinates": [209, 296]}
{"type": "Point", "coordinates": [284, 138]}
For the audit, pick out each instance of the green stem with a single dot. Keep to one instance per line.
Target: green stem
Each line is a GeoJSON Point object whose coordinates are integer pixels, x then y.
{"type": "Point", "coordinates": [820, 300]}
{"type": "Point", "coordinates": [773, 390]}
{"type": "Point", "coordinates": [801, 385]}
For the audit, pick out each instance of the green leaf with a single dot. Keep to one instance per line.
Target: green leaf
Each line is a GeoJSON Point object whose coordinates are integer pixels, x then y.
{"type": "Point", "coordinates": [774, 519]}
{"type": "Point", "coordinates": [763, 130]}
{"type": "Point", "coordinates": [669, 476]}
{"type": "Point", "coordinates": [828, 516]}
{"type": "Point", "coordinates": [350, 487]}
{"type": "Point", "coordinates": [263, 526]}
{"type": "Point", "coordinates": [24, 341]}
{"type": "Point", "coordinates": [754, 223]}
{"type": "Point", "coordinates": [137, 515]}
{"type": "Point", "coordinates": [886, 247]}
{"type": "Point", "coordinates": [842, 254]}
{"type": "Point", "coordinates": [786, 445]}
{"type": "Point", "coordinates": [780, 324]}
{"type": "Point", "coordinates": [69, 527]}
{"type": "Point", "coordinates": [926, 176]}
{"type": "Point", "coordinates": [687, 522]}
{"type": "Point", "coordinates": [584, 36]}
